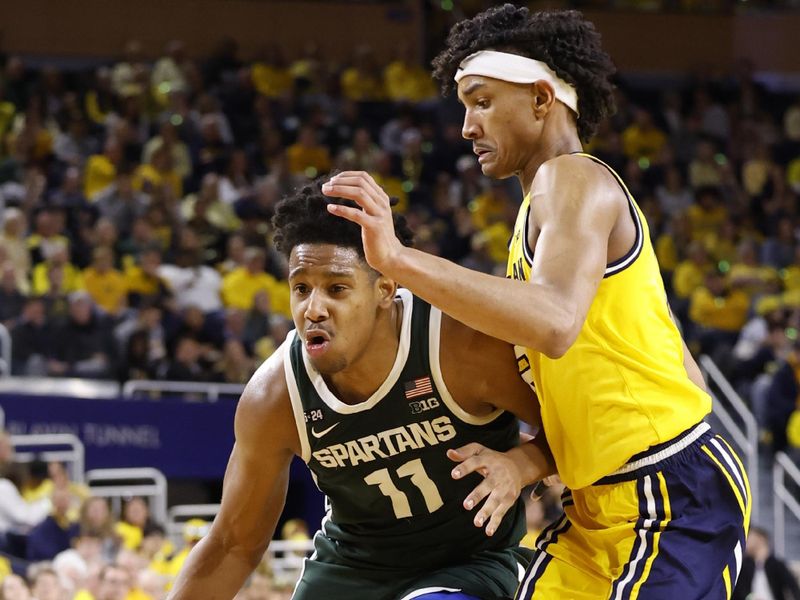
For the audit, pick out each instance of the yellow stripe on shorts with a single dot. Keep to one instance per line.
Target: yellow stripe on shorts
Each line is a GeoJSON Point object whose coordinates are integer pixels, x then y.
{"type": "Point", "coordinates": [662, 483]}
{"type": "Point", "coordinates": [730, 480]}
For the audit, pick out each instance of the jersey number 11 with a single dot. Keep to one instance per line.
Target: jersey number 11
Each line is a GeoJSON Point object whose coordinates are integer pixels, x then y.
{"type": "Point", "coordinates": [414, 470]}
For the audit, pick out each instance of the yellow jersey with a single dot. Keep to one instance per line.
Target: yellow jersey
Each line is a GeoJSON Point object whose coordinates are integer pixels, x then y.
{"type": "Point", "coordinates": [622, 386]}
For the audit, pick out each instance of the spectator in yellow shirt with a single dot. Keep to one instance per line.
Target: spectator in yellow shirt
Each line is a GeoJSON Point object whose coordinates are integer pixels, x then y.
{"type": "Point", "coordinates": [749, 275]}
{"type": "Point", "coordinates": [131, 527]}
{"type": "Point", "coordinates": [362, 81]}
{"type": "Point", "coordinates": [157, 173]}
{"type": "Point", "coordinates": [642, 139]}
{"type": "Point", "coordinates": [406, 81]}
{"type": "Point", "coordinates": [491, 206]}
{"type": "Point", "coordinates": [105, 284]}
{"type": "Point", "coordinates": [704, 170]}
{"type": "Point", "coordinates": [179, 151]}
{"type": "Point", "coordinates": [688, 276]}
{"type": "Point", "coordinates": [270, 74]}
{"type": "Point", "coordinates": [793, 175]}
{"type": "Point", "coordinates": [143, 280]}
{"type": "Point", "coordinates": [307, 156]}
{"type": "Point", "coordinates": [392, 185]}
{"type": "Point", "coordinates": [56, 260]}
{"type": "Point", "coordinates": [708, 214]}
{"type": "Point", "coordinates": [240, 286]}
{"type": "Point", "coordinates": [672, 243]}
{"type": "Point", "coordinates": [759, 171]}
{"type": "Point", "coordinates": [48, 235]}
{"type": "Point", "coordinates": [101, 169]}
{"type": "Point", "coordinates": [719, 312]}
{"type": "Point", "coordinates": [723, 244]}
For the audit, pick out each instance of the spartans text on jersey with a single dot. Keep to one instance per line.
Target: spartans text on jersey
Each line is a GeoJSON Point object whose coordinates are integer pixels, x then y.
{"type": "Point", "coordinates": [387, 443]}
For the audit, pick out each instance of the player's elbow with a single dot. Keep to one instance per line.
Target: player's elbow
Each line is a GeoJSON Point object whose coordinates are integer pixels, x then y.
{"type": "Point", "coordinates": [556, 348]}
{"type": "Point", "coordinates": [248, 550]}
{"type": "Point", "coordinates": [560, 337]}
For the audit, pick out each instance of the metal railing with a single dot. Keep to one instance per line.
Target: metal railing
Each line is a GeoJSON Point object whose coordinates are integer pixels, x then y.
{"type": "Point", "coordinates": [117, 484]}
{"type": "Point", "coordinates": [783, 498]}
{"type": "Point", "coordinates": [5, 352]}
{"type": "Point", "coordinates": [210, 391]}
{"type": "Point", "coordinates": [178, 515]}
{"type": "Point", "coordinates": [746, 435]}
{"type": "Point", "coordinates": [60, 386]}
{"type": "Point", "coordinates": [57, 447]}
{"type": "Point", "coordinates": [285, 556]}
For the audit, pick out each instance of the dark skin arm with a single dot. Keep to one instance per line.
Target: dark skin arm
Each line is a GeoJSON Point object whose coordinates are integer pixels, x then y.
{"type": "Point", "coordinates": [576, 229]}
{"type": "Point", "coordinates": [482, 376]}
{"type": "Point", "coordinates": [253, 493]}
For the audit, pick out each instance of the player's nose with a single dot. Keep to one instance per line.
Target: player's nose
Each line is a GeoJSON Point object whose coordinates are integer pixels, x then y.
{"type": "Point", "coordinates": [316, 307]}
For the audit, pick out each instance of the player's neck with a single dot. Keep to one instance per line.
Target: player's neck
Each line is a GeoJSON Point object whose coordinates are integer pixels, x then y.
{"type": "Point", "coordinates": [558, 137]}
{"type": "Point", "coordinates": [367, 373]}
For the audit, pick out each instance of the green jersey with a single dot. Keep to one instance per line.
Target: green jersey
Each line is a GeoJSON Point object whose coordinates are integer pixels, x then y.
{"type": "Point", "coordinates": [382, 463]}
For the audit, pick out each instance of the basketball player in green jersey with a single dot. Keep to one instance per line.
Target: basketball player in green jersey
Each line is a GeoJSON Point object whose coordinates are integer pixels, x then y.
{"type": "Point", "coordinates": [379, 394]}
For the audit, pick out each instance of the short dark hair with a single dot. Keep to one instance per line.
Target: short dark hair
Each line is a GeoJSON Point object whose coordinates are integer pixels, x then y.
{"type": "Point", "coordinates": [303, 218]}
{"type": "Point", "coordinates": [564, 39]}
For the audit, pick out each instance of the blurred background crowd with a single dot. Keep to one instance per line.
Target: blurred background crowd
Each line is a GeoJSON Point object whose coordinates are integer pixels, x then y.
{"type": "Point", "coordinates": [136, 199]}
{"type": "Point", "coordinates": [135, 243]}
{"type": "Point", "coordinates": [59, 542]}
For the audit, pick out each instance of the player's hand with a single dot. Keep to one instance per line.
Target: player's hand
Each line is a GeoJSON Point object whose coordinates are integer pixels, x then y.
{"type": "Point", "coordinates": [381, 246]}
{"type": "Point", "coordinates": [501, 485]}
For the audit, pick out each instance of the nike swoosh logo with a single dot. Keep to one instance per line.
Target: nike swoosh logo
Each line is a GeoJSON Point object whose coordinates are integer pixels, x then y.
{"type": "Point", "coordinates": [319, 434]}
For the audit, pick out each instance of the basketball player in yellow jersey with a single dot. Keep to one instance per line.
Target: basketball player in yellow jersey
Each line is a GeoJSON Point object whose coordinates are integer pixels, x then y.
{"type": "Point", "coordinates": [657, 506]}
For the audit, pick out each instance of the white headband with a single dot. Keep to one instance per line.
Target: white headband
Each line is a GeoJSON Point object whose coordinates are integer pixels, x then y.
{"type": "Point", "coordinates": [516, 69]}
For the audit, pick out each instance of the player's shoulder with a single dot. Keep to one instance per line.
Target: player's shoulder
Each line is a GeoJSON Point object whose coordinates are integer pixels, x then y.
{"type": "Point", "coordinates": [579, 177]}
{"type": "Point", "coordinates": [265, 399]}
{"type": "Point", "coordinates": [467, 354]}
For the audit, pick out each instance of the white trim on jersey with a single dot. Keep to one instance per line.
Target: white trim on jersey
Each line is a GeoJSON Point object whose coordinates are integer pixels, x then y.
{"type": "Point", "coordinates": [399, 363]}
{"type": "Point", "coordinates": [428, 590]}
{"type": "Point", "coordinates": [294, 395]}
{"type": "Point", "coordinates": [434, 338]}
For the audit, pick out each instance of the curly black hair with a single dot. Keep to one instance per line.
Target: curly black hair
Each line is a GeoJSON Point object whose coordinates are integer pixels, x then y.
{"type": "Point", "coordinates": [564, 39]}
{"type": "Point", "coordinates": [303, 218]}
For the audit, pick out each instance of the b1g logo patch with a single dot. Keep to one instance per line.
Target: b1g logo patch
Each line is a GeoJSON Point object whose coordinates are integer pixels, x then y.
{"type": "Point", "coordinates": [420, 406]}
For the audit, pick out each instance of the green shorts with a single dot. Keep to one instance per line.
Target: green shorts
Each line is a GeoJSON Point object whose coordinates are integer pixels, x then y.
{"type": "Point", "coordinates": [489, 575]}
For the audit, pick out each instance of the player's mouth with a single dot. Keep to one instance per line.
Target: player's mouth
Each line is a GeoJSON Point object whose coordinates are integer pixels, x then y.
{"type": "Point", "coordinates": [483, 153]}
{"type": "Point", "coordinates": [317, 342]}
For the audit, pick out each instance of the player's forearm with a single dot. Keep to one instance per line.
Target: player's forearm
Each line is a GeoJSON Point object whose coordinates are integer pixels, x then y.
{"type": "Point", "coordinates": [533, 459]}
{"type": "Point", "coordinates": [526, 314]}
{"type": "Point", "coordinates": [212, 572]}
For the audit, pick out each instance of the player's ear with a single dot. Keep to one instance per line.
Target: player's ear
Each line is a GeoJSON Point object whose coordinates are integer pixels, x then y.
{"type": "Point", "coordinates": [542, 98]}
{"type": "Point", "coordinates": [386, 289]}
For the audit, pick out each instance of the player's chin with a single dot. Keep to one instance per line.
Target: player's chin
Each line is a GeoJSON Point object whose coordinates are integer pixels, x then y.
{"type": "Point", "coordinates": [329, 364]}
{"type": "Point", "coordinates": [494, 170]}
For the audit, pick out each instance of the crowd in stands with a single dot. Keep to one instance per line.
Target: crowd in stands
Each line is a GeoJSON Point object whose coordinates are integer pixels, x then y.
{"type": "Point", "coordinates": [135, 206]}
{"type": "Point", "coordinates": [59, 542]}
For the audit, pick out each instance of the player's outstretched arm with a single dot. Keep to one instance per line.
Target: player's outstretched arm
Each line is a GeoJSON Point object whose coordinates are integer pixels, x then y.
{"type": "Point", "coordinates": [253, 493]}
{"type": "Point", "coordinates": [481, 374]}
{"type": "Point", "coordinates": [577, 204]}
